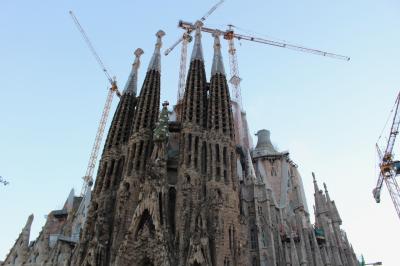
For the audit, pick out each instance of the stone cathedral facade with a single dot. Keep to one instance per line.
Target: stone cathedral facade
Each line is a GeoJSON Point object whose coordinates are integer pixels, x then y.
{"type": "Point", "coordinates": [185, 187]}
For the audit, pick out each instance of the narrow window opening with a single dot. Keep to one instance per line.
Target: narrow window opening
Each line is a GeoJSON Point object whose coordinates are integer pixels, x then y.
{"type": "Point", "coordinates": [126, 186]}
{"type": "Point", "coordinates": [130, 167]}
{"type": "Point", "coordinates": [139, 155]}
{"type": "Point", "coordinates": [171, 208]}
{"type": "Point", "coordinates": [160, 207]}
{"type": "Point", "coordinates": [253, 238]}
{"type": "Point", "coordinates": [211, 162]}
{"type": "Point", "coordinates": [254, 261]}
{"type": "Point", "coordinates": [217, 153]}
{"type": "Point", "coordinates": [189, 149]}
{"type": "Point", "coordinates": [273, 171]}
{"type": "Point", "coordinates": [203, 158]}
{"type": "Point", "coordinates": [264, 239]}
{"type": "Point", "coordinates": [182, 149]}
{"type": "Point", "coordinates": [120, 168]}
{"type": "Point", "coordinates": [225, 156]}
{"type": "Point", "coordinates": [111, 169]}
{"type": "Point", "coordinates": [230, 238]}
{"type": "Point", "coordinates": [196, 151]}
{"type": "Point", "coordinates": [104, 170]}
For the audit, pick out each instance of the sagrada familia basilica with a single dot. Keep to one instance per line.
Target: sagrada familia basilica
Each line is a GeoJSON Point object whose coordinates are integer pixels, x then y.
{"type": "Point", "coordinates": [185, 186]}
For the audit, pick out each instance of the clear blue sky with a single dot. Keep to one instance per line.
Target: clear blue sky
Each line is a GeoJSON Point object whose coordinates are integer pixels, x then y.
{"type": "Point", "coordinates": [327, 112]}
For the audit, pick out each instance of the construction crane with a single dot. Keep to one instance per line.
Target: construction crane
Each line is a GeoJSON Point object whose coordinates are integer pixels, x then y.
{"type": "Point", "coordinates": [389, 168]}
{"type": "Point", "coordinates": [185, 39]}
{"type": "Point", "coordinates": [230, 35]}
{"type": "Point", "coordinates": [88, 178]}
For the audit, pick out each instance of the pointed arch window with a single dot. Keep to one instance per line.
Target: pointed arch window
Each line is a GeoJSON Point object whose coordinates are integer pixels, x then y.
{"type": "Point", "coordinates": [230, 238]}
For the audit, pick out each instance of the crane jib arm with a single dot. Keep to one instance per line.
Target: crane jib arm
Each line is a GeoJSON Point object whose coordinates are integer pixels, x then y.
{"type": "Point", "coordinates": [229, 34]}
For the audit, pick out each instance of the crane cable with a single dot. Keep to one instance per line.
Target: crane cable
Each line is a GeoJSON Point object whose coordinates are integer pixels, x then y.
{"type": "Point", "coordinates": [251, 32]}
{"type": "Point", "coordinates": [387, 120]}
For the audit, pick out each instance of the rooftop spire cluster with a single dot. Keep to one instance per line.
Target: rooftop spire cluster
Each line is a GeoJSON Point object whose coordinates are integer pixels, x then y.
{"type": "Point", "coordinates": [174, 192]}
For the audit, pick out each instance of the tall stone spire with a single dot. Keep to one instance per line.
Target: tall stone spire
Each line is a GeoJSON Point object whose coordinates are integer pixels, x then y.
{"type": "Point", "coordinates": [99, 222]}
{"type": "Point", "coordinates": [251, 174]}
{"type": "Point", "coordinates": [139, 148]}
{"type": "Point", "coordinates": [195, 96]}
{"type": "Point", "coordinates": [155, 62]}
{"type": "Point", "coordinates": [320, 200]}
{"type": "Point", "coordinates": [191, 143]}
{"type": "Point", "coordinates": [101, 211]}
{"type": "Point", "coordinates": [220, 117]}
{"type": "Point", "coordinates": [147, 110]}
{"type": "Point", "coordinates": [121, 125]}
{"type": "Point", "coordinates": [316, 188]}
{"type": "Point", "coordinates": [131, 84]}
{"type": "Point", "coordinates": [332, 207]}
{"type": "Point", "coordinates": [217, 66]}
{"type": "Point", "coordinates": [27, 230]}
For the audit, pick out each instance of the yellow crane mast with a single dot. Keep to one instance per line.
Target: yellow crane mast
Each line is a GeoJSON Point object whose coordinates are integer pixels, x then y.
{"type": "Point", "coordinates": [88, 178]}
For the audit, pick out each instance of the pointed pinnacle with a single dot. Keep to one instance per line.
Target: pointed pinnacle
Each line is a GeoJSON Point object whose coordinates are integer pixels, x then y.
{"type": "Point", "coordinates": [197, 52]}
{"type": "Point", "coordinates": [218, 65]}
{"type": "Point", "coordinates": [325, 187]}
{"type": "Point", "coordinates": [155, 62]}
{"type": "Point", "coordinates": [131, 84]}
{"type": "Point", "coordinates": [138, 52]}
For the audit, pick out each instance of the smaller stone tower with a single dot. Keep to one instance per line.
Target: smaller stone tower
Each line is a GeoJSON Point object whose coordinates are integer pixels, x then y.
{"type": "Point", "coordinates": [20, 251]}
{"type": "Point", "coordinates": [336, 248]}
